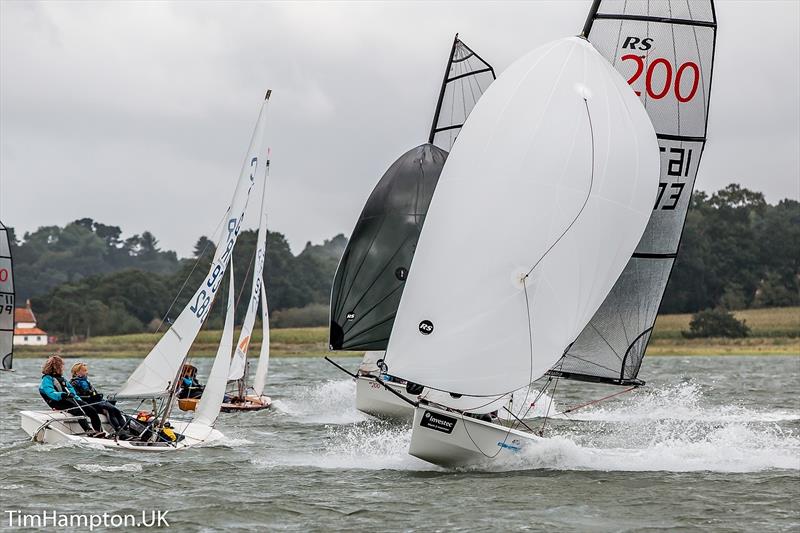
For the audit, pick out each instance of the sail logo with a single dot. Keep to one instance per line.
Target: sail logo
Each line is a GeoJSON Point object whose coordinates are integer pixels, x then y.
{"type": "Point", "coordinates": [351, 315]}
{"type": "Point", "coordinates": [637, 43]}
{"type": "Point", "coordinates": [438, 422]}
{"type": "Point", "coordinates": [426, 327]}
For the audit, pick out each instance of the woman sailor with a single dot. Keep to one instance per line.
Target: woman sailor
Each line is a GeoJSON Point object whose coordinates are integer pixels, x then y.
{"type": "Point", "coordinates": [60, 395]}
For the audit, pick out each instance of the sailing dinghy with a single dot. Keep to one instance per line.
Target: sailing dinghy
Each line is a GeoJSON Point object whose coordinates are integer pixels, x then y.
{"type": "Point", "coordinates": [7, 296]}
{"type": "Point", "coordinates": [246, 397]}
{"type": "Point", "coordinates": [371, 274]}
{"type": "Point", "coordinates": [155, 381]}
{"type": "Point", "coordinates": [538, 209]}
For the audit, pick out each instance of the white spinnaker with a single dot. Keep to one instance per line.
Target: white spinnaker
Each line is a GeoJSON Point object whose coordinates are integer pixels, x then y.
{"type": "Point", "coordinates": [214, 393]}
{"type": "Point", "coordinates": [554, 174]}
{"type": "Point", "coordinates": [263, 358]}
{"type": "Point", "coordinates": [155, 374]}
{"type": "Point", "coordinates": [239, 360]}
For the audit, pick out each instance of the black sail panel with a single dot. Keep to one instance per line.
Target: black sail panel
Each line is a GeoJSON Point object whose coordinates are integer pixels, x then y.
{"type": "Point", "coordinates": [369, 280]}
{"type": "Point", "coordinates": [466, 78]}
{"type": "Point", "coordinates": [665, 49]}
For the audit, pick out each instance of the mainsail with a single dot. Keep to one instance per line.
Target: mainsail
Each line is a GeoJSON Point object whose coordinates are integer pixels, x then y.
{"type": "Point", "coordinates": [369, 280]}
{"type": "Point", "coordinates": [466, 78]}
{"type": "Point", "coordinates": [7, 296]}
{"type": "Point", "coordinates": [538, 209]}
{"type": "Point", "coordinates": [155, 375]}
{"type": "Point", "coordinates": [666, 52]}
{"type": "Point", "coordinates": [238, 362]}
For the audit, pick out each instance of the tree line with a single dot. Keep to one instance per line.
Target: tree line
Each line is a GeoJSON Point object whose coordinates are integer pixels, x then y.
{"type": "Point", "coordinates": [738, 251]}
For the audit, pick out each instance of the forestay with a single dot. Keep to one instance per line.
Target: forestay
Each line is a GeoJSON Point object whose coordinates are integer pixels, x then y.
{"type": "Point", "coordinates": [666, 51]}
{"type": "Point", "coordinates": [539, 206]}
{"type": "Point", "coordinates": [214, 392]}
{"type": "Point", "coordinates": [155, 375]}
{"type": "Point", "coordinates": [239, 360]}
{"type": "Point", "coordinates": [371, 274]}
{"type": "Point", "coordinates": [7, 296]}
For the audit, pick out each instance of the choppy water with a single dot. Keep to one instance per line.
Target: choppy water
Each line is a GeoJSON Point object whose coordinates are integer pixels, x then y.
{"type": "Point", "coordinates": [711, 442]}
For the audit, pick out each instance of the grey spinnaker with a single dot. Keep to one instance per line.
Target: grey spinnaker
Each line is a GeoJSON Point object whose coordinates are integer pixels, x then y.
{"type": "Point", "coordinates": [369, 280]}
{"type": "Point", "coordinates": [7, 296]}
{"type": "Point", "coordinates": [665, 50]}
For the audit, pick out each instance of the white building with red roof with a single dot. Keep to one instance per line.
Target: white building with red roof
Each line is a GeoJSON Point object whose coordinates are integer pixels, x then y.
{"type": "Point", "coordinates": [25, 330]}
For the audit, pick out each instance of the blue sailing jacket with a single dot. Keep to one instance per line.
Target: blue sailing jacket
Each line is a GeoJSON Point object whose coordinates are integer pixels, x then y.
{"type": "Point", "coordinates": [49, 387]}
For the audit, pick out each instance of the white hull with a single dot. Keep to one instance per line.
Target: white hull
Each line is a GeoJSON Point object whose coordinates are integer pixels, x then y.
{"type": "Point", "coordinates": [55, 427]}
{"type": "Point", "coordinates": [373, 399]}
{"type": "Point", "coordinates": [451, 439]}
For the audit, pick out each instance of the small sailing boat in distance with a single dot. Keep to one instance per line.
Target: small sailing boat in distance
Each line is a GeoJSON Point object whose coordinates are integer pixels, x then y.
{"type": "Point", "coordinates": [371, 274]}
{"type": "Point", "coordinates": [155, 381]}
{"type": "Point", "coordinates": [7, 296]}
{"type": "Point", "coordinates": [246, 398]}
{"type": "Point", "coordinates": [509, 270]}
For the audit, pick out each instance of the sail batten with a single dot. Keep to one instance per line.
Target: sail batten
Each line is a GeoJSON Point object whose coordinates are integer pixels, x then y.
{"type": "Point", "coordinates": [665, 51]}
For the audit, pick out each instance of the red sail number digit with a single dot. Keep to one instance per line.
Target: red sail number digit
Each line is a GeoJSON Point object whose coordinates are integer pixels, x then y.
{"type": "Point", "coordinates": [667, 66]}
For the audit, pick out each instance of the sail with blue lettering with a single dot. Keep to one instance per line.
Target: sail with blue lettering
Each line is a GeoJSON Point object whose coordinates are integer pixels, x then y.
{"type": "Point", "coordinates": [156, 374]}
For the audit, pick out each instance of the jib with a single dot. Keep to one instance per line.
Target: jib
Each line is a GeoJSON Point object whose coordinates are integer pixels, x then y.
{"type": "Point", "coordinates": [636, 43]}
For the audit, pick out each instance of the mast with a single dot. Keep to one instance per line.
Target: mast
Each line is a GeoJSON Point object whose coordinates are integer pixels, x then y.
{"type": "Point", "coordinates": [466, 77]}
{"type": "Point", "coordinates": [441, 91]}
{"type": "Point", "coordinates": [666, 53]}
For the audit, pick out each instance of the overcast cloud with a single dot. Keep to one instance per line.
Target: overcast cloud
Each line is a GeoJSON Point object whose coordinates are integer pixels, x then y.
{"type": "Point", "coordinates": [139, 114]}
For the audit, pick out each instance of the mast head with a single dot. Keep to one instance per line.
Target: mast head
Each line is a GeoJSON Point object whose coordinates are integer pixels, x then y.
{"type": "Point", "coordinates": [269, 93]}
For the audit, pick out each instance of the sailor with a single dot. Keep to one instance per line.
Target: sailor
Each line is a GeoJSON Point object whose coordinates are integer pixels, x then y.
{"type": "Point", "coordinates": [60, 395]}
{"type": "Point", "coordinates": [80, 382]}
{"type": "Point", "coordinates": [190, 387]}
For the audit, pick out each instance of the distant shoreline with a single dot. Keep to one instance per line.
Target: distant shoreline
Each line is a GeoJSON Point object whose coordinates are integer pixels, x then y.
{"type": "Point", "coordinates": [773, 332]}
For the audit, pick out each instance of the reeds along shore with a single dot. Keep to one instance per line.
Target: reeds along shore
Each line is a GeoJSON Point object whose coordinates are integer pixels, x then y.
{"type": "Point", "coordinates": [772, 332]}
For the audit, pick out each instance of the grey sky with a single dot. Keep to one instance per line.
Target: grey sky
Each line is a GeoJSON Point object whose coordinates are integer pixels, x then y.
{"type": "Point", "coordinates": [138, 114]}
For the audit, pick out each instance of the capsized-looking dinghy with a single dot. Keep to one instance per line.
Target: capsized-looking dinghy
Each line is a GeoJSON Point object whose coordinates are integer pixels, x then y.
{"type": "Point", "coordinates": [155, 381]}
{"type": "Point", "coordinates": [509, 270]}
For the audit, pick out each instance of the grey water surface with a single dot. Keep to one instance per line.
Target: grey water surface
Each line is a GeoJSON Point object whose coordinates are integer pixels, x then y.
{"type": "Point", "coordinates": [710, 442]}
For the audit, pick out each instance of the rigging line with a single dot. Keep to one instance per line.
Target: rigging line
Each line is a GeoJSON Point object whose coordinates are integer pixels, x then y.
{"type": "Point", "coordinates": [619, 32]}
{"type": "Point", "coordinates": [185, 281]}
{"type": "Point", "coordinates": [249, 267]}
{"type": "Point", "coordinates": [549, 406]}
{"type": "Point", "coordinates": [605, 340]}
{"type": "Point", "coordinates": [585, 201]}
{"type": "Point", "coordinates": [593, 402]}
